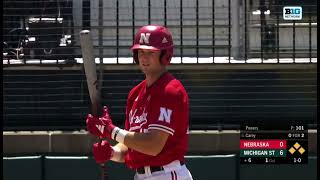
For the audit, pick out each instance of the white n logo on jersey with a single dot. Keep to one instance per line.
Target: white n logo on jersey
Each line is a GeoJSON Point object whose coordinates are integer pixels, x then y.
{"type": "Point", "coordinates": [165, 114]}
{"type": "Point", "coordinates": [101, 128]}
{"type": "Point", "coordinates": [144, 38]}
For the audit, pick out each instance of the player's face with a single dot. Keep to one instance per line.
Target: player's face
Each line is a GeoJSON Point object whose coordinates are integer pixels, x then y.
{"type": "Point", "coordinates": [149, 61]}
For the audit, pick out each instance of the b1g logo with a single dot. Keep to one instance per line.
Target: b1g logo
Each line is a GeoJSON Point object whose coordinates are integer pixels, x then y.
{"type": "Point", "coordinates": [292, 13]}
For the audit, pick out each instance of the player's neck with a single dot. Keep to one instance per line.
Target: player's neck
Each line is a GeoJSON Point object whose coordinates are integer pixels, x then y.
{"type": "Point", "coordinates": [152, 78]}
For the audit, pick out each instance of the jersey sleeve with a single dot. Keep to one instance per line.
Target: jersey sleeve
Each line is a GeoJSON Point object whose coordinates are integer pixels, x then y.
{"type": "Point", "coordinates": [167, 111]}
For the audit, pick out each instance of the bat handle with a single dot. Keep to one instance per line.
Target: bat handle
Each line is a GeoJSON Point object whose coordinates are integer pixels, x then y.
{"type": "Point", "coordinates": [103, 168]}
{"type": "Point", "coordinates": [104, 174]}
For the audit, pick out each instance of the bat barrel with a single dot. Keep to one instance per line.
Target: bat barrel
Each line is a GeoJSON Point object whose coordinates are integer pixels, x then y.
{"type": "Point", "coordinates": [90, 70]}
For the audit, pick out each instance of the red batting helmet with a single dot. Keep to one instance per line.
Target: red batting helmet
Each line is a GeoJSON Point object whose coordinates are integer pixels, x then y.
{"type": "Point", "coordinates": [154, 37]}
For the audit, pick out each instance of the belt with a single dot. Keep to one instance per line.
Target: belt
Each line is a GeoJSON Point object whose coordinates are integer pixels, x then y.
{"type": "Point", "coordinates": [153, 168]}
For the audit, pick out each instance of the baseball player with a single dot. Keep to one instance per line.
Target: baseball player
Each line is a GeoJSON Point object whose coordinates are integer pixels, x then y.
{"type": "Point", "coordinates": [155, 138]}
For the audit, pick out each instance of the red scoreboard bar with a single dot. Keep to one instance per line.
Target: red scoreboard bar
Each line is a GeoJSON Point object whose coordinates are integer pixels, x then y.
{"type": "Point", "coordinates": [263, 144]}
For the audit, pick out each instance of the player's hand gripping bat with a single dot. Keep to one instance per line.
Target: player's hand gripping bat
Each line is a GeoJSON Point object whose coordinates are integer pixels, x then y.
{"type": "Point", "coordinates": [92, 81]}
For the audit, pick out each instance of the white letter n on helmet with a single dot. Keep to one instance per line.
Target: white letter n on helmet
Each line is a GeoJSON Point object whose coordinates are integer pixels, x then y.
{"type": "Point", "coordinates": [144, 38]}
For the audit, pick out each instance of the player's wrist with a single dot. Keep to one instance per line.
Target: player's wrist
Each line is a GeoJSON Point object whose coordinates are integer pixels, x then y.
{"type": "Point", "coordinates": [118, 134]}
{"type": "Point", "coordinates": [116, 155]}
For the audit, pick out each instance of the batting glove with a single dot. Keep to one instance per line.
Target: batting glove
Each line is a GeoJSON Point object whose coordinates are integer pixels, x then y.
{"type": "Point", "coordinates": [102, 152]}
{"type": "Point", "coordinates": [101, 127]}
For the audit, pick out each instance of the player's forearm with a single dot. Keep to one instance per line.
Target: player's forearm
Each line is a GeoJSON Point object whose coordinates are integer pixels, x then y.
{"type": "Point", "coordinates": [150, 143]}
{"type": "Point", "coordinates": [146, 143]}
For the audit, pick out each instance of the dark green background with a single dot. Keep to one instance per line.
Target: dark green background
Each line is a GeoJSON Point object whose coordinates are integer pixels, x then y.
{"type": "Point", "coordinates": [214, 167]}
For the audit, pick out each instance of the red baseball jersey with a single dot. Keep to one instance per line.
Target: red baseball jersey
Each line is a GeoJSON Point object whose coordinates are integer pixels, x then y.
{"type": "Point", "coordinates": [163, 106]}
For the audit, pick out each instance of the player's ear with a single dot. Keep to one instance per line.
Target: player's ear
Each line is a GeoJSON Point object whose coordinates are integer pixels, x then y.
{"type": "Point", "coordinates": [162, 53]}
{"type": "Point", "coordinates": [135, 56]}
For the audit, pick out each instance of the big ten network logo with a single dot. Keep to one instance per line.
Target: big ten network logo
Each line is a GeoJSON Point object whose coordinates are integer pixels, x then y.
{"type": "Point", "coordinates": [292, 13]}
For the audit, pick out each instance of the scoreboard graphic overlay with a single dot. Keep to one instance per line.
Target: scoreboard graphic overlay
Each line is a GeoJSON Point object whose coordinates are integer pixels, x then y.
{"type": "Point", "coordinates": [273, 144]}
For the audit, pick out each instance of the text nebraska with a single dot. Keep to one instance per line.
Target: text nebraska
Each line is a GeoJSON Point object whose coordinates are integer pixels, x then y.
{"type": "Point", "coordinates": [256, 144]}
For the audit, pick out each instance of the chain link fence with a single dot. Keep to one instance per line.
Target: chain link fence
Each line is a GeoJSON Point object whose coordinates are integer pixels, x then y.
{"type": "Point", "coordinates": [204, 31]}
